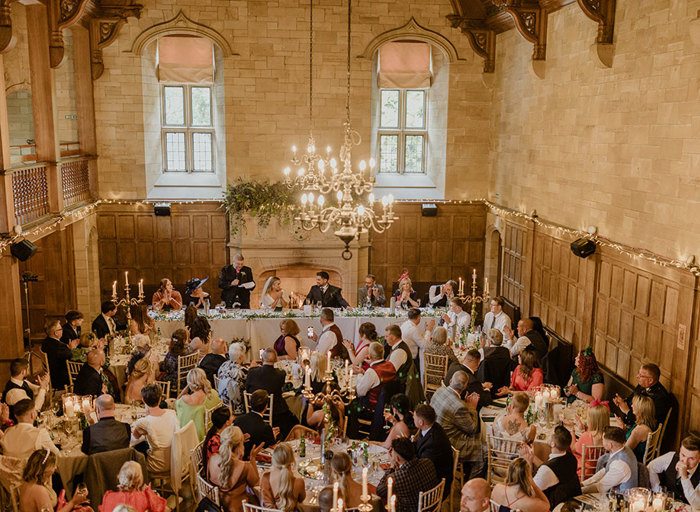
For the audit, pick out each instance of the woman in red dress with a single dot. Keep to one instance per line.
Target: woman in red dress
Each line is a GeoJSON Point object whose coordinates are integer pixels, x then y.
{"type": "Point", "coordinates": [132, 492]}
{"type": "Point", "coordinates": [526, 376]}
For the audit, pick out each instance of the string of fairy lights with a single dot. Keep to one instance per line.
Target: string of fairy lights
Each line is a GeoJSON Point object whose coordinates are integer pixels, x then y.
{"type": "Point", "coordinates": [634, 252]}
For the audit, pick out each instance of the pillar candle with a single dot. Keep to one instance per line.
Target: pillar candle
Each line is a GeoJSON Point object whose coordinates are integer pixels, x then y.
{"type": "Point", "coordinates": [392, 504]}
{"type": "Point", "coordinates": [141, 287]}
{"type": "Point", "coordinates": [114, 289]}
{"type": "Point", "coordinates": [657, 504]}
{"type": "Point", "coordinates": [328, 365]}
{"type": "Point", "coordinates": [307, 381]}
{"type": "Point", "coordinates": [339, 504]}
{"type": "Point", "coordinates": [486, 286]}
{"type": "Point", "coordinates": [364, 482]}
{"type": "Point", "coordinates": [126, 278]}
{"type": "Point", "coordinates": [389, 487]}
{"type": "Point", "coordinates": [350, 380]}
{"type": "Point", "coordinates": [335, 493]}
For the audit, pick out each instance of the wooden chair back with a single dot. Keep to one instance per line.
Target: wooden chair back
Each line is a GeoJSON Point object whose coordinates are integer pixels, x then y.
{"type": "Point", "coordinates": [184, 365]}
{"type": "Point", "coordinates": [430, 501]}
{"type": "Point", "coordinates": [434, 371]}
{"type": "Point", "coordinates": [457, 476]}
{"type": "Point", "coordinates": [653, 445]}
{"type": "Point", "coordinates": [501, 452]}
{"type": "Point", "coordinates": [247, 507]}
{"type": "Point", "coordinates": [208, 413]}
{"type": "Point", "coordinates": [73, 370]}
{"type": "Point", "coordinates": [493, 506]}
{"type": "Point", "coordinates": [267, 415]}
{"type": "Point", "coordinates": [589, 459]}
{"type": "Point", "coordinates": [209, 491]}
{"type": "Point", "coordinates": [164, 386]}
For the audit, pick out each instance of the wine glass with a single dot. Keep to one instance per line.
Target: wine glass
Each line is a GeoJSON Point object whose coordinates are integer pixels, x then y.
{"type": "Point", "coordinates": [81, 489]}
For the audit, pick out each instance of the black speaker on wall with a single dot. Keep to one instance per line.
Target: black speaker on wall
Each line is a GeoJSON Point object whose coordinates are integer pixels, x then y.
{"type": "Point", "coordinates": [23, 250]}
{"type": "Point", "coordinates": [583, 247]}
{"type": "Point", "coordinates": [429, 210]}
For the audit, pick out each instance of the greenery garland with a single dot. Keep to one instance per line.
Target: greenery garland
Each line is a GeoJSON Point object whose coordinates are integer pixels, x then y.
{"type": "Point", "coordinates": [262, 200]}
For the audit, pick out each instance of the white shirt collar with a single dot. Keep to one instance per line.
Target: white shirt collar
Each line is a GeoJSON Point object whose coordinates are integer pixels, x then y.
{"type": "Point", "coordinates": [555, 455]}
{"type": "Point", "coordinates": [424, 432]}
{"type": "Point", "coordinates": [17, 381]}
{"type": "Point", "coordinates": [375, 362]}
{"type": "Point", "coordinates": [617, 451]}
{"type": "Point", "coordinates": [396, 346]}
{"type": "Point", "coordinates": [324, 287]}
{"type": "Point", "coordinates": [326, 327]}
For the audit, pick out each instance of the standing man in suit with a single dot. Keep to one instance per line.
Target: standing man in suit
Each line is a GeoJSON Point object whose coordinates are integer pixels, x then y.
{"type": "Point", "coordinates": [271, 379]}
{"type": "Point", "coordinates": [236, 283]}
{"type": "Point", "coordinates": [432, 443]}
{"type": "Point", "coordinates": [90, 380]}
{"type": "Point", "coordinates": [107, 434]}
{"type": "Point", "coordinates": [253, 423]}
{"type": "Point", "coordinates": [371, 294]}
{"type": "Point", "coordinates": [104, 323]}
{"type": "Point", "coordinates": [57, 353]}
{"type": "Point", "coordinates": [328, 295]}
{"type": "Point", "coordinates": [496, 364]}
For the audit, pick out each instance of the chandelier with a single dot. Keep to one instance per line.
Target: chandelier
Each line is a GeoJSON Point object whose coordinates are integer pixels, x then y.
{"type": "Point", "coordinates": [350, 211]}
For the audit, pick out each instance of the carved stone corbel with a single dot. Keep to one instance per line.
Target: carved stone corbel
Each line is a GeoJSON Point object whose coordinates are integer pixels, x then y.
{"type": "Point", "coordinates": [531, 21]}
{"type": "Point", "coordinates": [481, 39]}
{"type": "Point", "coordinates": [61, 14]}
{"type": "Point", "coordinates": [603, 13]}
{"type": "Point", "coordinates": [104, 29]}
{"type": "Point", "coordinates": [6, 40]}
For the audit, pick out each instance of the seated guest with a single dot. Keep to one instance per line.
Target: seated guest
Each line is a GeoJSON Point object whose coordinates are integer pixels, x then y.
{"type": "Point", "coordinates": [432, 443]}
{"type": "Point", "coordinates": [318, 366]}
{"type": "Point", "coordinates": [220, 419]}
{"type": "Point", "coordinates": [36, 493]}
{"type": "Point", "coordinates": [86, 344]}
{"type": "Point", "coordinates": [331, 338]}
{"type": "Point", "coordinates": [24, 438]}
{"type": "Point", "coordinates": [476, 496]}
{"type": "Point", "coordinates": [470, 367]}
{"type": "Point", "coordinates": [438, 345]}
{"type": "Point", "coordinates": [191, 315]}
{"type": "Point", "coordinates": [325, 498]}
{"type": "Point", "coordinates": [598, 419]}
{"type": "Point", "coordinates": [456, 318]}
{"type": "Point", "coordinates": [253, 424]}
{"type": "Point", "coordinates": [359, 355]}
{"type": "Point", "coordinates": [527, 337]}
{"type": "Point", "coordinates": [194, 292]}
{"type": "Point", "coordinates": [273, 296]}
{"type": "Point", "coordinates": [341, 465]}
{"type": "Point", "coordinates": [166, 298]}
{"type": "Point", "coordinates": [157, 427]}
{"type": "Point", "coordinates": [414, 334]}
{"type": "Point", "coordinates": [90, 380]}
{"type": "Point", "coordinates": [131, 492]}
{"type": "Point", "coordinates": [201, 336]}
{"type": "Point", "coordinates": [19, 388]}
{"type": "Point", "coordinates": [288, 343]}
{"type": "Point", "coordinates": [211, 362]}
{"type": "Point", "coordinates": [271, 379]}
{"type": "Point", "coordinates": [645, 424]}
{"type": "Point", "coordinates": [232, 376]}
{"type": "Point", "coordinates": [496, 317]}
{"type": "Point", "coordinates": [280, 488]}
{"type": "Point", "coordinates": [678, 472]}
{"type": "Point", "coordinates": [440, 295]}
{"type": "Point", "coordinates": [57, 353]}
{"type": "Point", "coordinates": [108, 433]}
{"type": "Point", "coordinates": [617, 470]}
{"type": "Point", "coordinates": [141, 323]}
{"type": "Point", "coordinates": [586, 381]}
{"type": "Point", "coordinates": [400, 418]}
{"type": "Point", "coordinates": [379, 372]}
{"type": "Point", "coordinates": [461, 422]}
{"type": "Point", "coordinates": [647, 384]}
{"type": "Point", "coordinates": [397, 352]}
{"type": "Point", "coordinates": [371, 294]}
{"type": "Point", "coordinates": [231, 474]}
{"type": "Point", "coordinates": [327, 295]}
{"type": "Point", "coordinates": [406, 296]}
{"type": "Point", "coordinates": [71, 329]}
{"type": "Point", "coordinates": [519, 491]}
{"type": "Point", "coordinates": [410, 474]}
{"type": "Point", "coordinates": [192, 406]}
{"type": "Point", "coordinates": [511, 424]}
{"type": "Point", "coordinates": [496, 363]}
{"type": "Point", "coordinates": [526, 376]}
{"type": "Point", "coordinates": [316, 418]}
{"type": "Point", "coordinates": [557, 477]}
{"type": "Point", "coordinates": [104, 325]}
{"type": "Point", "coordinates": [178, 347]}
{"type": "Point", "coordinates": [140, 375]}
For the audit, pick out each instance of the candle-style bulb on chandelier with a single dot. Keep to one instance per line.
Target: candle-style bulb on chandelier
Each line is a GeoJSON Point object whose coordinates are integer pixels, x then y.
{"type": "Point", "coordinates": [350, 211]}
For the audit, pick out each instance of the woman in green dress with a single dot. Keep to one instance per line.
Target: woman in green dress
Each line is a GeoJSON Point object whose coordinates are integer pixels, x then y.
{"type": "Point", "coordinates": [586, 381]}
{"type": "Point", "coordinates": [195, 399]}
{"type": "Point", "coordinates": [644, 424]}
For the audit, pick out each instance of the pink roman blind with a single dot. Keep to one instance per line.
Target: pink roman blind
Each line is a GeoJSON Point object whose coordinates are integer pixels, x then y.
{"type": "Point", "coordinates": [185, 59]}
{"type": "Point", "coordinates": [404, 65]}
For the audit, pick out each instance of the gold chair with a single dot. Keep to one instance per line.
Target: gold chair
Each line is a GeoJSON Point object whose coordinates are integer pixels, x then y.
{"type": "Point", "coordinates": [653, 445]}
{"type": "Point", "coordinates": [164, 386]}
{"type": "Point", "coordinates": [247, 507]}
{"type": "Point", "coordinates": [457, 476]}
{"type": "Point", "coordinates": [267, 416]}
{"type": "Point", "coordinates": [73, 370]}
{"type": "Point", "coordinates": [430, 501]}
{"type": "Point", "coordinates": [208, 413]}
{"type": "Point", "coordinates": [589, 459]}
{"type": "Point", "coordinates": [665, 424]}
{"type": "Point", "coordinates": [435, 369]}
{"type": "Point", "coordinates": [501, 452]}
{"type": "Point", "coordinates": [209, 491]}
{"type": "Point", "coordinates": [184, 365]}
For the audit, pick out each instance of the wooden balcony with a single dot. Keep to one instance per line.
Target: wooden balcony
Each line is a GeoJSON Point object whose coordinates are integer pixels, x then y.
{"type": "Point", "coordinates": [30, 192]}
{"type": "Point", "coordinates": [75, 180]}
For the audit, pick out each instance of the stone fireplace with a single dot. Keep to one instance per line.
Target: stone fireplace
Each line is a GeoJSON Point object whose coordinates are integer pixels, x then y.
{"type": "Point", "coordinates": [295, 256]}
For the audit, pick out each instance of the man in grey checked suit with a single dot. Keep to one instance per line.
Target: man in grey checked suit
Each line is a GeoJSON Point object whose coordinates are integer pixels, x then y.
{"type": "Point", "coordinates": [461, 423]}
{"type": "Point", "coordinates": [371, 292]}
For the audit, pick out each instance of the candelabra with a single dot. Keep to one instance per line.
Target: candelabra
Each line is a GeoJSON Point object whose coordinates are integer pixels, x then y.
{"type": "Point", "coordinates": [345, 393]}
{"type": "Point", "coordinates": [127, 301]}
{"type": "Point", "coordinates": [473, 299]}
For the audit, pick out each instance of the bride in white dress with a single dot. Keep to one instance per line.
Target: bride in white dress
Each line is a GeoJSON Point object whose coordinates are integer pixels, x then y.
{"type": "Point", "coordinates": [273, 296]}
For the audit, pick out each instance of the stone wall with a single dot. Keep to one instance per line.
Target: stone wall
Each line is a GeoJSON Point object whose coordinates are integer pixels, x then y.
{"type": "Point", "coordinates": [618, 148]}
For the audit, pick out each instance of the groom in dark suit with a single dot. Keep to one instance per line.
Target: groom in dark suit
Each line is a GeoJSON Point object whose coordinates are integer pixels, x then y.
{"type": "Point", "coordinates": [432, 443]}
{"type": "Point", "coordinates": [328, 295]}
{"type": "Point", "coordinates": [236, 283]}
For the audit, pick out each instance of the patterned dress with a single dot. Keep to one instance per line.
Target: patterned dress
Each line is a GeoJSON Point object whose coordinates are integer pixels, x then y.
{"type": "Point", "coordinates": [232, 378]}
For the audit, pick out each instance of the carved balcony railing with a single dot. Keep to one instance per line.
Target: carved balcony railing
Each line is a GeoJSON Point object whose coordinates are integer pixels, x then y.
{"type": "Point", "coordinates": [30, 192]}
{"type": "Point", "coordinates": [75, 180]}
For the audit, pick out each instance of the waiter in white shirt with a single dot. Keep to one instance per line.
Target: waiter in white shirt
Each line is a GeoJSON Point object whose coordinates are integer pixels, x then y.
{"type": "Point", "coordinates": [496, 318]}
{"type": "Point", "coordinates": [330, 333]}
{"type": "Point", "coordinates": [414, 334]}
{"type": "Point", "coordinates": [678, 472]}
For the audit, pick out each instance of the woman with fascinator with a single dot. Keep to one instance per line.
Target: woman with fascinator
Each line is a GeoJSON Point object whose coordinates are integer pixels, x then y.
{"type": "Point", "coordinates": [273, 296]}
{"type": "Point", "coordinates": [194, 292]}
{"type": "Point", "coordinates": [586, 382]}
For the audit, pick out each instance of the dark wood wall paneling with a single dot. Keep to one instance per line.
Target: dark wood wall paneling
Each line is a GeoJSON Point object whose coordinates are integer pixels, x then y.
{"type": "Point", "coordinates": [191, 242]}
{"type": "Point", "coordinates": [432, 249]}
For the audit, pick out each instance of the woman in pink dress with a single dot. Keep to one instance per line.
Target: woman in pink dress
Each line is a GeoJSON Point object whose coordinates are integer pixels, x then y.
{"type": "Point", "coordinates": [359, 356]}
{"type": "Point", "coordinates": [598, 421]}
{"type": "Point", "coordinates": [526, 376]}
{"type": "Point", "coordinates": [132, 492]}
